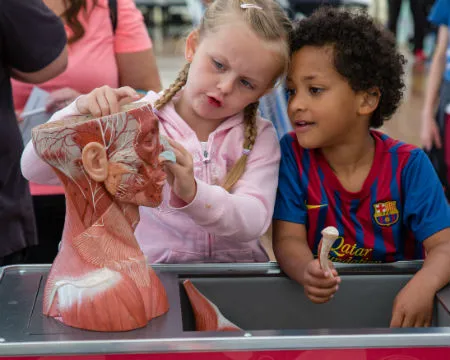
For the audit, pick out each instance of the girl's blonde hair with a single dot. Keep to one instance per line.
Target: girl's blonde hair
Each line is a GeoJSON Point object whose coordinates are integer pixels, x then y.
{"type": "Point", "coordinates": [270, 23]}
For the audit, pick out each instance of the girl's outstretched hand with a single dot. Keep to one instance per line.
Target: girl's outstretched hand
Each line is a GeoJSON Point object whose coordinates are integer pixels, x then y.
{"type": "Point", "coordinates": [104, 100]}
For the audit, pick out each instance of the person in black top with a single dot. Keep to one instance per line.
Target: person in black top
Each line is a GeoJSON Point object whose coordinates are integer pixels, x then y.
{"type": "Point", "coordinates": [32, 49]}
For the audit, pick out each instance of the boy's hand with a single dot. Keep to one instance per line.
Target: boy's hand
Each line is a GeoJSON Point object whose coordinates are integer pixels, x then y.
{"type": "Point", "coordinates": [105, 100]}
{"type": "Point", "coordinates": [180, 175]}
{"type": "Point", "coordinates": [319, 285]}
{"type": "Point", "coordinates": [413, 306]}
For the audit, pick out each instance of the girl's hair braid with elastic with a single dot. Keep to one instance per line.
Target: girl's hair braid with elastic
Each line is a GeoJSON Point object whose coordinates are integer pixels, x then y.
{"type": "Point", "coordinates": [271, 23]}
{"type": "Point", "coordinates": [176, 86]}
{"type": "Point", "coordinates": [268, 20]}
{"type": "Point", "coordinates": [250, 134]}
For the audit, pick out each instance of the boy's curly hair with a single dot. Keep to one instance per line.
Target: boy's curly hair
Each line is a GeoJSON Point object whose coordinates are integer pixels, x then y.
{"type": "Point", "coordinates": [364, 53]}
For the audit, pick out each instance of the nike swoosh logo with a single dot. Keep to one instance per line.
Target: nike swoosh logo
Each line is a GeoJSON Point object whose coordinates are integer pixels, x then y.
{"type": "Point", "coordinates": [309, 207]}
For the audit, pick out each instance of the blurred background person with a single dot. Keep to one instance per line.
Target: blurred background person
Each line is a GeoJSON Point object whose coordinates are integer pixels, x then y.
{"type": "Point", "coordinates": [418, 10]}
{"type": "Point", "coordinates": [108, 45]}
{"type": "Point", "coordinates": [33, 50]}
{"type": "Point", "coordinates": [434, 132]}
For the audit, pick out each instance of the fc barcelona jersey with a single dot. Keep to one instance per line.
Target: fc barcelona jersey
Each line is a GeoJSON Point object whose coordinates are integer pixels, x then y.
{"type": "Point", "coordinates": [400, 204]}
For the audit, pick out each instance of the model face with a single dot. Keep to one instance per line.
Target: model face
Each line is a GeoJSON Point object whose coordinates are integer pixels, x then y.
{"type": "Point", "coordinates": [144, 179]}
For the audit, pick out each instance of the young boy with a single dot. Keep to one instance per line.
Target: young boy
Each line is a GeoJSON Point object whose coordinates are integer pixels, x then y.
{"type": "Point", "coordinates": [382, 195]}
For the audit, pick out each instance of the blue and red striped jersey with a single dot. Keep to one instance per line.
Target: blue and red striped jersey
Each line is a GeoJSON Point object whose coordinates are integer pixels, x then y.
{"type": "Point", "coordinates": [400, 204]}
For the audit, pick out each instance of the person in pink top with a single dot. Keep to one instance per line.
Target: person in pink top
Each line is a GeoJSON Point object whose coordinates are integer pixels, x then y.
{"type": "Point", "coordinates": [97, 56]}
{"type": "Point", "coordinates": [220, 193]}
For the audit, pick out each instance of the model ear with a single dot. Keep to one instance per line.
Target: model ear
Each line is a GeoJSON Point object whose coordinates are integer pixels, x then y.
{"type": "Point", "coordinates": [95, 161]}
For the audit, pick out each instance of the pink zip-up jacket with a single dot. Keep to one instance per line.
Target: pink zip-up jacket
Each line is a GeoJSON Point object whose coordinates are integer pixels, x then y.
{"type": "Point", "coordinates": [217, 226]}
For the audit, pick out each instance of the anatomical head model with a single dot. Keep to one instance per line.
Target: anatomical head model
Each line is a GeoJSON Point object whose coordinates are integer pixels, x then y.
{"type": "Point", "coordinates": [109, 166]}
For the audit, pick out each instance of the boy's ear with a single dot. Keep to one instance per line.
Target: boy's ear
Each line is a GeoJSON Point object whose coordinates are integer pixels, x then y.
{"type": "Point", "coordinates": [191, 45]}
{"type": "Point", "coordinates": [369, 101]}
{"type": "Point", "coordinates": [95, 161]}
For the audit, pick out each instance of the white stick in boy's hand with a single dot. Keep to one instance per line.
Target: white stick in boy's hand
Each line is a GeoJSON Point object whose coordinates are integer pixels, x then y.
{"type": "Point", "coordinates": [329, 236]}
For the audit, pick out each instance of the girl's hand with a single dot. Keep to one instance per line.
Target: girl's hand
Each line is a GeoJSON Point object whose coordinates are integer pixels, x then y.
{"type": "Point", "coordinates": [413, 306]}
{"type": "Point", "coordinates": [429, 134]}
{"type": "Point", "coordinates": [61, 98]}
{"type": "Point", "coordinates": [320, 286]}
{"type": "Point", "coordinates": [105, 100]}
{"type": "Point", "coordinates": [180, 175]}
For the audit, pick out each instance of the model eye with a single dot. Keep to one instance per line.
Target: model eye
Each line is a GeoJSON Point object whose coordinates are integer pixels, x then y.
{"type": "Point", "coordinates": [149, 144]}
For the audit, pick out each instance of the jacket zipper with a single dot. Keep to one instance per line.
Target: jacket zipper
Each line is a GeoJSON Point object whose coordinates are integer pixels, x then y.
{"type": "Point", "coordinates": [206, 160]}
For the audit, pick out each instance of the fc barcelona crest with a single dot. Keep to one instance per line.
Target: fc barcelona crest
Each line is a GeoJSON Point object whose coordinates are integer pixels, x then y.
{"type": "Point", "coordinates": [386, 213]}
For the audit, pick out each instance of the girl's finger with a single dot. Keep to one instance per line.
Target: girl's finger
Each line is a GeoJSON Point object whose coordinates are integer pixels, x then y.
{"type": "Point", "coordinates": [174, 168]}
{"type": "Point", "coordinates": [182, 158]}
{"type": "Point", "coordinates": [169, 175]}
{"type": "Point", "coordinates": [177, 146]}
{"type": "Point", "coordinates": [103, 104]}
{"type": "Point", "coordinates": [126, 91]}
{"type": "Point", "coordinates": [180, 152]}
{"type": "Point", "coordinates": [111, 98]}
{"type": "Point", "coordinates": [126, 100]}
{"type": "Point", "coordinates": [94, 107]}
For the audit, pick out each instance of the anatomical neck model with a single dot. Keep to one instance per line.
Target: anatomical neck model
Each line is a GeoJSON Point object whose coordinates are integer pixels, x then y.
{"type": "Point", "coordinates": [109, 166]}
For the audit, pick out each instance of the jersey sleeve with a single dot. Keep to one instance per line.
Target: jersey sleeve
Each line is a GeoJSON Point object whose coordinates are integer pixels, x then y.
{"type": "Point", "coordinates": [290, 200]}
{"type": "Point", "coordinates": [439, 14]}
{"type": "Point", "coordinates": [426, 210]}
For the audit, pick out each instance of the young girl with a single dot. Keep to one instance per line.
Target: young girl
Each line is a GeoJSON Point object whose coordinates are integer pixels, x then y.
{"type": "Point", "coordinates": [221, 190]}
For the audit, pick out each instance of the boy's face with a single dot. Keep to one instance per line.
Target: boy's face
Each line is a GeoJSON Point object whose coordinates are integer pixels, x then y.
{"type": "Point", "coordinates": [322, 107]}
